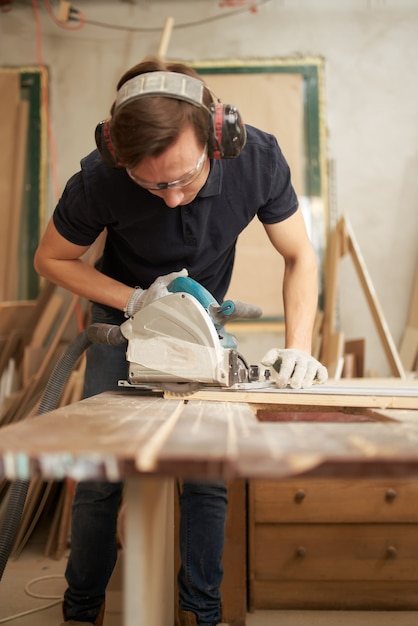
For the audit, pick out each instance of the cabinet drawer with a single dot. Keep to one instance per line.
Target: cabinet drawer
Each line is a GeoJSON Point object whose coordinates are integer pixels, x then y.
{"type": "Point", "coordinates": [311, 595]}
{"type": "Point", "coordinates": [308, 500]}
{"type": "Point", "coordinates": [344, 552]}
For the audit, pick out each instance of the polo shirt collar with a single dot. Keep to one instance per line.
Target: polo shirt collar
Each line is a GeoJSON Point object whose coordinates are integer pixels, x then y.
{"type": "Point", "coordinates": [213, 185]}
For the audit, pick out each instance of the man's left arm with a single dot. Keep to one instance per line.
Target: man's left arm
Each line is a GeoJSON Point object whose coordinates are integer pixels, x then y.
{"type": "Point", "coordinates": [294, 366]}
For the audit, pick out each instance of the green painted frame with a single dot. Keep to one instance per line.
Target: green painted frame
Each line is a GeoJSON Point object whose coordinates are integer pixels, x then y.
{"type": "Point", "coordinates": [32, 81]}
{"type": "Point", "coordinates": [31, 86]}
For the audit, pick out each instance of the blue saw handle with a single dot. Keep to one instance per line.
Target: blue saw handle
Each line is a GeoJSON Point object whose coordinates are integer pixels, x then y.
{"type": "Point", "coordinates": [192, 287]}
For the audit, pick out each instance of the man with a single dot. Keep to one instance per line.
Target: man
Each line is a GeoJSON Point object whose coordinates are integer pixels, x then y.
{"type": "Point", "coordinates": [168, 206]}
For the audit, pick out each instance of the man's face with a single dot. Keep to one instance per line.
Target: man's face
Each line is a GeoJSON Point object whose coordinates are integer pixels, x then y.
{"type": "Point", "coordinates": [178, 174]}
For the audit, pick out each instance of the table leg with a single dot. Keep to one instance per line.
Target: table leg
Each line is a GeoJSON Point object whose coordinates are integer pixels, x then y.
{"type": "Point", "coordinates": [149, 554]}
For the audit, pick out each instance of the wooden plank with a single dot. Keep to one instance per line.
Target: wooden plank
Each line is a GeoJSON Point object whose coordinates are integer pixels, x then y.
{"type": "Point", "coordinates": [17, 182]}
{"type": "Point", "coordinates": [47, 318]}
{"type": "Point", "coordinates": [10, 349]}
{"type": "Point", "coordinates": [335, 354]}
{"type": "Point", "coordinates": [36, 490]}
{"type": "Point", "coordinates": [317, 334]}
{"type": "Point", "coordinates": [374, 304]}
{"type": "Point", "coordinates": [9, 103]}
{"type": "Point", "coordinates": [356, 348]}
{"type": "Point", "coordinates": [55, 525]}
{"type": "Point", "coordinates": [413, 306]}
{"type": "Point", "coordinates": [332, 259]}
{"type": "Point", "coordinates": [383, 396]}
{"type": "Point", "coordinates": [17, 316]}
{"type": "Point", "coordinates": [8, 383]}
{"type": "Point", "coordinates": [408, 350]}
{"type": "Point", "coordinates": [341, 241]}
{"type": "Point", "coordinates": [30, 393]}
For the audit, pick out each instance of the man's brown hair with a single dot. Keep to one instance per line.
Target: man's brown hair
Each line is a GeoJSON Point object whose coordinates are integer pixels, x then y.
{"type": "Point", "coordinates": [149, 124]}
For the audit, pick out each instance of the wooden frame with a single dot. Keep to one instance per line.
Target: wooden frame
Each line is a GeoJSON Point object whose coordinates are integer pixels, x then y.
{"type": "Point", "coordinates": [274, 107]}
{"type": "Point", "coordinates": [24, 186]}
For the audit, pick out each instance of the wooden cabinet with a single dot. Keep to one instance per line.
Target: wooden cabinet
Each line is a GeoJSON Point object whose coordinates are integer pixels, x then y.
{"type": "Point", "coordinates": [342, 544]}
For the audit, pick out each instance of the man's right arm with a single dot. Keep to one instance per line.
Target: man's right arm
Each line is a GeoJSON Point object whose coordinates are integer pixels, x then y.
{"type": "Point", "coordinates": [59, 261]}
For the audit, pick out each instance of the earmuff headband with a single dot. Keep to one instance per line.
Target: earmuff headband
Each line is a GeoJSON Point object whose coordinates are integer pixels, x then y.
{"type": "Point", "coordinates": [167, 84]}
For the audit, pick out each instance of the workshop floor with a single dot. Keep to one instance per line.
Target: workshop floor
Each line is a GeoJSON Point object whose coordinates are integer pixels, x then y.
{"type": "Point", "coordinates": [45, 578]}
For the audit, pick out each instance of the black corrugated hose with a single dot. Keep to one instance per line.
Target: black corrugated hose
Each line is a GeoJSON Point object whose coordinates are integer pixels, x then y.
{"type": "Point", "coordinates": [96, 333]}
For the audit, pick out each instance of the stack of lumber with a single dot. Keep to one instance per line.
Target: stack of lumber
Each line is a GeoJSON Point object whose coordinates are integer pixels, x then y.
{"type": "Point", "coordinates": [33, 336]}
{"type": "Point", "coordinates": [335, 353]}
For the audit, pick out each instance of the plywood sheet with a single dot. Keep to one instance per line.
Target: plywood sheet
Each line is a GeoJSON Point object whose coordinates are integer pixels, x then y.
{"type": "Point", "coordinates": [274, 103]}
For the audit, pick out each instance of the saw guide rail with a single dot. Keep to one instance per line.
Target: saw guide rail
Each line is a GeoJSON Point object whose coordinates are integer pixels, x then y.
{"type": "Point", "coordinates": [360, 393]}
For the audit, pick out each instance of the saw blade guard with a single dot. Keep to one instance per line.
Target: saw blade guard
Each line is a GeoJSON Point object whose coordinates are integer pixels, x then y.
{"type": "Point", "coordinates": [185, 284]}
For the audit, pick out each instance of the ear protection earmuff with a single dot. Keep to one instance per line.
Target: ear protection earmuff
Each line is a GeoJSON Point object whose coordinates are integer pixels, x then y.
{"type": "Point", "coordinates": [227, 133]}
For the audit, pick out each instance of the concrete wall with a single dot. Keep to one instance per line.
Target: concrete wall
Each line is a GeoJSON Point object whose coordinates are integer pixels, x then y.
{"type": "Point", "coordinates": [370, 49]}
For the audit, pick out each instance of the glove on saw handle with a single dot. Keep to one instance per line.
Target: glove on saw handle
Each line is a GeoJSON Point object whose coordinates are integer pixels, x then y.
{"type": "Point", "coordinates": [159, 288]}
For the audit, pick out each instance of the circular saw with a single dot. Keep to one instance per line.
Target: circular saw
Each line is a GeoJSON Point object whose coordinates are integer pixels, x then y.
{"type": "Point", "coordinates": [178, 343]}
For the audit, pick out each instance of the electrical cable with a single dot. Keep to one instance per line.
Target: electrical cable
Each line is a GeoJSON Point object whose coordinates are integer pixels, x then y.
{"type": "Point", "coordinates": [56, 599]}
{"type": "Point", "coordinates": [253, 8]}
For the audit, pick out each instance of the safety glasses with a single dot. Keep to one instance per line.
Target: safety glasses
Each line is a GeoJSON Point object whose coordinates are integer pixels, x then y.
{"type": "Point", "coordinates": [184, 181]}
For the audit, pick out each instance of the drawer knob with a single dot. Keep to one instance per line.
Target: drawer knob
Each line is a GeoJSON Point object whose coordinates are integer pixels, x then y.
{"type": "Point", "coordinates": [299, 496]}
{"type": "Point", "coordinates": [300, 552]}
{"type": "Point", "coordinates": [390, 495]}
{"type": "Point", "coordinates": [391, 552]}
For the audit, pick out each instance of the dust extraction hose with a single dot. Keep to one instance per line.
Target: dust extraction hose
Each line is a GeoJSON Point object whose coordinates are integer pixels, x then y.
{"type": "Point", "coordinates": [96, 333]}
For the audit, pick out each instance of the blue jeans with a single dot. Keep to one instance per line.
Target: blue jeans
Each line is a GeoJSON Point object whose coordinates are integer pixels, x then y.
{"type": "Point", "coordinates": [94, 518]}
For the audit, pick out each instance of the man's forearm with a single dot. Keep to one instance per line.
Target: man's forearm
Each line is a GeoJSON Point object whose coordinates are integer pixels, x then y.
{"type": "Point", "coordinates": [300, 296]}
{"type": "Point", "coordinates": [84, 280]}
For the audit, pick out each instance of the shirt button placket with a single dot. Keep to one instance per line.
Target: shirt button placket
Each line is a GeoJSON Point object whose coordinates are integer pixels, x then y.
{"type": "Point", "coordinates": [189, 239]}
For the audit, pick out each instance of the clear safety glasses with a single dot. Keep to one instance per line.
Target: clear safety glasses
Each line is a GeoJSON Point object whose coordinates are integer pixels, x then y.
{"type": "Point", "coordinates": [185, 180]}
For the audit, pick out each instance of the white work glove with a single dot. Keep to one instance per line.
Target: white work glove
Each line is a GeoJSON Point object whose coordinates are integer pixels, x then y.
{"type": "Point", "coordinates": [294, 368]}
{"type": "Point", "coordinates": [141, 297]}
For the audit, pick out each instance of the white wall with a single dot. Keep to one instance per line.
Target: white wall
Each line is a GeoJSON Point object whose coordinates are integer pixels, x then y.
{"type": "Point", "coordinates": [371, 52]}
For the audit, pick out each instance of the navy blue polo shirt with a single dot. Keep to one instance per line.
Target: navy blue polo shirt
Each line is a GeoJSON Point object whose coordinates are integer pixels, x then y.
{"type": "Point", "coordinates": [146, 239]}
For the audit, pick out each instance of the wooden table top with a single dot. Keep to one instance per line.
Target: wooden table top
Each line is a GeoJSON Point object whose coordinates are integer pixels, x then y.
{"type": "Point", "coordinates": [117, 434]}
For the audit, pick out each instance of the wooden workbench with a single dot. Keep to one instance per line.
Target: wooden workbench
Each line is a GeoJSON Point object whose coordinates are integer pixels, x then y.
{"type": "Point", "coordinates": [149, 440]}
